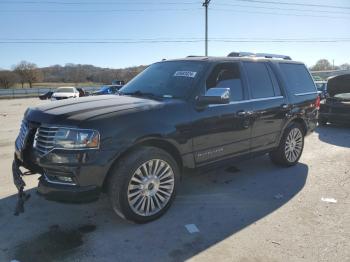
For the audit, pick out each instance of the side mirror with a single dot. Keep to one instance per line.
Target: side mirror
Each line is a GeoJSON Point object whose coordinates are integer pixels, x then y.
{"type": "Point", "coordinates": [215, 96]}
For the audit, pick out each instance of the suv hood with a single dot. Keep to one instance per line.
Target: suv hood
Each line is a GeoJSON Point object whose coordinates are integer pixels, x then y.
{"type": "Point", "coordinates": [84, 108]}
{"type": "Point", "coordinates": [338, 85]}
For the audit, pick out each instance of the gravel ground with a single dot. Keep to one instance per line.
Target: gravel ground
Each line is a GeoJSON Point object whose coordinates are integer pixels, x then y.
{"type": "Point", "coordinates": [253, 211]}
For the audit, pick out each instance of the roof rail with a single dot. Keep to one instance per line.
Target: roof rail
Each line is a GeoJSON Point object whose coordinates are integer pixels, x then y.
{"type": "Point", "coordinates": [249, 54]}
{"type": "Point", "coordinates": [195, 56]}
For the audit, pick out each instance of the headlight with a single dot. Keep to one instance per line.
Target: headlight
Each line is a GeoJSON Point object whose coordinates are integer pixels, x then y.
{"type": "Point", "coordinates": [71, 138]}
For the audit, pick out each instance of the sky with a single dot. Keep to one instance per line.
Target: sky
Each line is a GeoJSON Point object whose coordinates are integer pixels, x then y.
{"type": "Point", "coordinates": [141, 32]}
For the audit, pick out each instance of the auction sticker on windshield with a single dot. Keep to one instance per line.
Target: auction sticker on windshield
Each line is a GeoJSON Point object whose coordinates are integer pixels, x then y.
{"type": "Point", "coordinates": [185, 74]}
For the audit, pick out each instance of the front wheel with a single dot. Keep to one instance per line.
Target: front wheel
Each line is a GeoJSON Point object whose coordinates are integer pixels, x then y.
{"type": "Point", "coordinates": [143, 184]}
{"type": "Point", "coordinates": [290, 148]}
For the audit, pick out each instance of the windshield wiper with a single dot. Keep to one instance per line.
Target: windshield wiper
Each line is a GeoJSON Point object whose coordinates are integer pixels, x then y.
{"type": "Point", "coordinates": [143, 94]}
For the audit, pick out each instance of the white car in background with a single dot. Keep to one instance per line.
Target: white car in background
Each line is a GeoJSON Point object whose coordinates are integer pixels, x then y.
{"type": "Point", "coordinates": [64, 93]}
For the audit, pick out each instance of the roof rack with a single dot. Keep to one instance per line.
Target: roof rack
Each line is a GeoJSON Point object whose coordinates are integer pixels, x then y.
{"type": "Point", "coordinates": [249, 54]}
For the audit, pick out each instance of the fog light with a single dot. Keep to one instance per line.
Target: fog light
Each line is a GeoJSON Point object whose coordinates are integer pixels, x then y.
{"type": "Point", "coordinates": [65, 179]}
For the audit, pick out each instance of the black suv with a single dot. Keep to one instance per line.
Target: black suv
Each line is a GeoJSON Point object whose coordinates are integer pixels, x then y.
{"type": "Point", "coordinates": [175, 115]}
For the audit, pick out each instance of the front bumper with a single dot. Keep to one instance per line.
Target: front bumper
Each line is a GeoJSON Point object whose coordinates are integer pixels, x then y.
{"type": "Point", "coordinates": [67, 193]}
{"type": "Point", "coordinates": [75, 182]}
{"type": "Point", "coordinates": [335, 113]}
{"type": "Point", "coordinates": [335, 117]}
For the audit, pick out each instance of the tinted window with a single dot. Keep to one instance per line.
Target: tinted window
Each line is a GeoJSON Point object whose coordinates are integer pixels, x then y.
{"type": "Point", "coordinates": [298, 78]}
{"type": "Point", "coordinates": [259, 80]}
{"type": "Point", "coordinates": [276, 87]}
{"type": "Point", "coordinates": [227, 75]}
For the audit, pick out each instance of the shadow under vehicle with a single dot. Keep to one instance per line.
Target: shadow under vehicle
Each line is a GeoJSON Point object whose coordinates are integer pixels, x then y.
{"type": "Point", "coordinates": [221, 202]}
{"type": "Point", "coordinates": [336, 107]}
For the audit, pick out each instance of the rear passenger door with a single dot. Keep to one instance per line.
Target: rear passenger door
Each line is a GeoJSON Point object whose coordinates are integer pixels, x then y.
{"type": "Point", "coordinates": [268, 103]}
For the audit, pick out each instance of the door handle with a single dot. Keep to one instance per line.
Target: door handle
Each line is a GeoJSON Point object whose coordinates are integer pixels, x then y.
{"type": "Point", "coordinates": [285, 106]}
{"type": "Point", "coordinates": [243, 113]}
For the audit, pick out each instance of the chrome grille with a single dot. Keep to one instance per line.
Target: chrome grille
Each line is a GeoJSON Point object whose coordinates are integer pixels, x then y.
{"type": "Point", "coordinates": [44, 139]}
{"type": "Point", "coordinates": [22, 136]}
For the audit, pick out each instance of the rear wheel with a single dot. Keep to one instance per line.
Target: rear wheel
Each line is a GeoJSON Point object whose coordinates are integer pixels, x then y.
{"type": "Point", "coordinates": [143, 184]}
{"type": "Point", "coordinates": [290, 148]}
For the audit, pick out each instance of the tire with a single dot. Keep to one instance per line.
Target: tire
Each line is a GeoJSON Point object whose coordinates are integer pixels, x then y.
{"type": "Point", "coordinates": [136, 196]}
{"type": "Point", "coordinates": [290, 148]}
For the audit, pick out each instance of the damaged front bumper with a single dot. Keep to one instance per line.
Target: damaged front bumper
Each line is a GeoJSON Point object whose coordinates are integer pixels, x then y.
{"type": "Point", "coordinates": [20, 184]}
{"type": "Point", "coordinates": [55, 185]}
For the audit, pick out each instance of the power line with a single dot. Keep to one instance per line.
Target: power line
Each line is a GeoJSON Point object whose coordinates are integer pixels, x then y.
{"type": "Point", "coordinates": [172, 10]}
{"type": "Point", "coordinates": [98, 3]}
{"type": "Point", "coordinates": [295, 4]}
{"type": "Point", "coordinates": [101, 11]}
{"type": "Point", "coordinates": [276, 13]}
{"type": "Point", "coordinates": [176, 38]}
{"type": "Point", "coordinates": [283, 9]}
{"type": "Point", "coordinates": [153, 41]}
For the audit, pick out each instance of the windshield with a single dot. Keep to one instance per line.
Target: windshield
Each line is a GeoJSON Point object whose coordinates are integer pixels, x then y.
{"type": "Point", "coordinates": [173, 79]}
{"type": "Point", "coordinates": [321, 86]}
{"type": "Point", "coordinates": [65, 90]}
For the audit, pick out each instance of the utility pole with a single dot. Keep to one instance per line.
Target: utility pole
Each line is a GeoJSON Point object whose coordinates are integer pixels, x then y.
{"type": "Point", "coordinates": [206, 4]}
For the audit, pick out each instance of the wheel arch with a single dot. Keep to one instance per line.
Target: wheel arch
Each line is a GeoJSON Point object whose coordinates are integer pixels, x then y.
{"type": "Point", "coordinates": [296, 119]}
{"type": "Point", "coordinates": [157, 142]}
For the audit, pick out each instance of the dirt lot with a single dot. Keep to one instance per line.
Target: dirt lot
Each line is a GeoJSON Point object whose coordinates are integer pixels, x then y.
{"type": "Point", "coordinates": [253, 211]}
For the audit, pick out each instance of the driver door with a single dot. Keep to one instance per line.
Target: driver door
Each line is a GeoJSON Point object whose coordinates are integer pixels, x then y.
{"type": "Point", "coordinates": [223, 131]}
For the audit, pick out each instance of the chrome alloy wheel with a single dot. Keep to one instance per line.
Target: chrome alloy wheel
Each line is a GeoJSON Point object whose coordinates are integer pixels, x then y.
{"type": "Point", "coordinates": [294, 145]}
{"type": "Point", "coordinates": [151, 187]}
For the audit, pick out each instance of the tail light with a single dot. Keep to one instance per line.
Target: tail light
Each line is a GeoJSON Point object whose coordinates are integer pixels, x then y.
{"type": "Point", "coordinates": [318, 102]}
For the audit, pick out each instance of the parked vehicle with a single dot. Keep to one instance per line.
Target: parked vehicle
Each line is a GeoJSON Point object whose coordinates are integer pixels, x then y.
{"type": "Point", "coordinates": [321, 88]}
{"type": "Point", "coordinates": [108, 90]}
{"type": "Point", "coordinates": [82, 92]}
{"type": "Point", "coordinates": [45, 96]}
{"type": "Point", "coordinates": [118, 82]}
{"type": "Point", "coordinates": [336, 107]}
{"type": "Point", "coordinates": [178, 114]}
{"type": "Point", "coordinates": [64, 93]}
{"type": "Point", "coordinates": [49, 94]}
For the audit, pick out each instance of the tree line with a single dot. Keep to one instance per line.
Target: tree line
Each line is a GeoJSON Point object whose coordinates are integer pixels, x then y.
{"type": "Point", "coordinates": [29, 73]}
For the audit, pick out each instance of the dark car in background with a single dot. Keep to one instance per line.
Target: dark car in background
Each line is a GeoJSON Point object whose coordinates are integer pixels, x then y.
{"type": "Point", "coordinates": [108, 90]}
{"type": "Point", "coordinates": [191, 113]}
{"type": "Point", "coordinates": [336, 107]}
{"type": "Point", "coordinates": [321, 88]}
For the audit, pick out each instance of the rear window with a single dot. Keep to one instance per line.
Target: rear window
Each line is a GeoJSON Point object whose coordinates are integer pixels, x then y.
{"type": "Point", "coordinates": [298, 78]}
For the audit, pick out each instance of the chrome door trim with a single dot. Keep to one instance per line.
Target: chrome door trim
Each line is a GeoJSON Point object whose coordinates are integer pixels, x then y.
{"type": "Point", "coordinates": [306, 93]}
{"type": "Point", "coordinates": [250, 100]}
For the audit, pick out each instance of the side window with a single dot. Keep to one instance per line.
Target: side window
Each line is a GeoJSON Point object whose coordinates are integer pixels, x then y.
{"type": "Point", "coordinates": [259, 80]}
{"type": "Point", "coordinates": [297, 78]}
{"type": "Point", "coordinates": [227, 75]}
{"type": "Point", "coordinates": [276, 86]}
